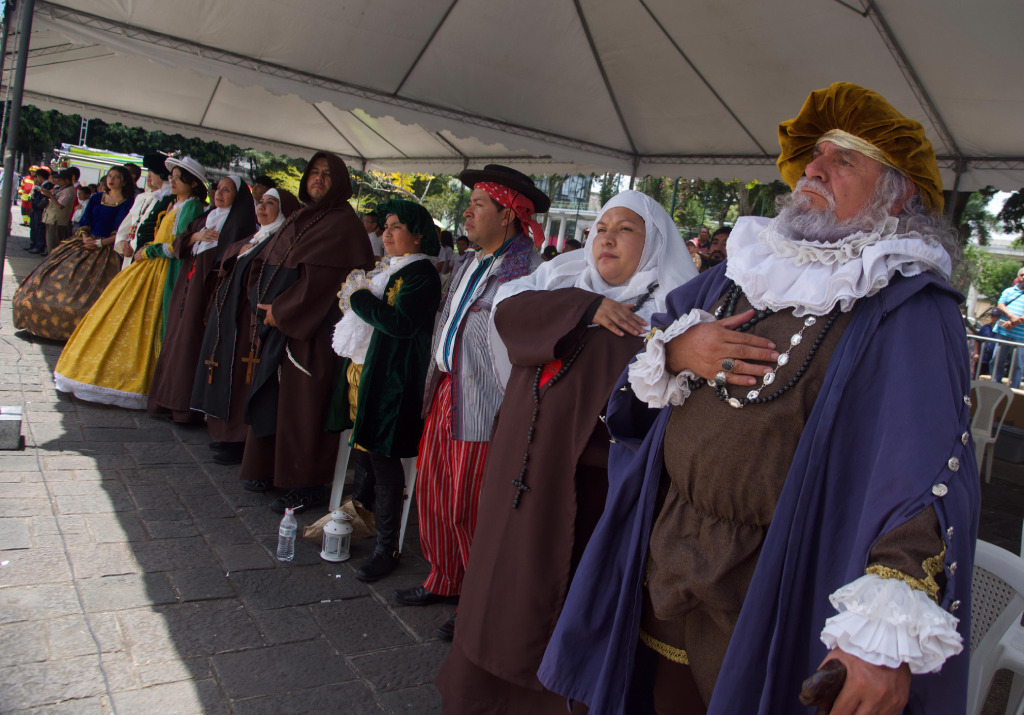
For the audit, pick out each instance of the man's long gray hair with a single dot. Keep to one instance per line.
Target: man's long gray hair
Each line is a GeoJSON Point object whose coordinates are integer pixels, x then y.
{"type": "Point", "coordinates": [892, 186]}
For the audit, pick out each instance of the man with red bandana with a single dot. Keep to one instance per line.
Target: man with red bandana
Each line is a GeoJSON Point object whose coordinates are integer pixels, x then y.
{"type": "Point", "coordinates": [463, 388]}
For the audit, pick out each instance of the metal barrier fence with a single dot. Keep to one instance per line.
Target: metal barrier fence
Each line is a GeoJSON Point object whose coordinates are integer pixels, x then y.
{"type": "Point", "coordinates": [995, 353]}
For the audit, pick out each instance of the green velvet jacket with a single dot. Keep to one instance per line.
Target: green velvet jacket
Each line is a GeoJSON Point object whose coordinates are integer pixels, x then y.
{"type": "Point", "coordinates": [390, 399]}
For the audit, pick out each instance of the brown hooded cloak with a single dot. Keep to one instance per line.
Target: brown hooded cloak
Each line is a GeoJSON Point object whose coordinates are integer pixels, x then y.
{"type": "Point", "coordinates": [299, 273]}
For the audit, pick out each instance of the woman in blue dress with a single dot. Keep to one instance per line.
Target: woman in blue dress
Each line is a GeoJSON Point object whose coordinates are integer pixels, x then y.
{"type": "Point", "coordinates": [55, 296]}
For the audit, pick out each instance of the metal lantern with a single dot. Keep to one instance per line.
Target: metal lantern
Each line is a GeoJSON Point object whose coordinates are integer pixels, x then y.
{"type": "Point", "coordinates": [337, 537]}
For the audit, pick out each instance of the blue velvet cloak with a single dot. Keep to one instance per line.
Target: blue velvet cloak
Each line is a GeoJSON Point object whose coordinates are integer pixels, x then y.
{"type": "Point", "coordinates": [891, 417]}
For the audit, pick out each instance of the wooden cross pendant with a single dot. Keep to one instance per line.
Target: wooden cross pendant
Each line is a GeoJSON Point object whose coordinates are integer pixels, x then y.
{"type": "Point", "coordinates": [521, 487]}
{"type": "Point", "coordinates": [211, 364]}
{"type": "Point", "coordinates": [251, 362]}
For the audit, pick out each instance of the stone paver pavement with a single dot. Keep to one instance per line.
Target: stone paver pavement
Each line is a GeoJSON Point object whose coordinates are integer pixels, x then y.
{"type": "Point", "coordinates": [137, 576]}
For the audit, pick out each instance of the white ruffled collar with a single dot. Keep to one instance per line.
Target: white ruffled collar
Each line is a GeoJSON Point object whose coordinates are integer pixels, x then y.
{"type": "Point", "coordinates": [778, 272]}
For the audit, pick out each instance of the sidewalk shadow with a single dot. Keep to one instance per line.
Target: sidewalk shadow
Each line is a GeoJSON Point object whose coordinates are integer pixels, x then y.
{"type": "Point", "coordinates": [174, 564]}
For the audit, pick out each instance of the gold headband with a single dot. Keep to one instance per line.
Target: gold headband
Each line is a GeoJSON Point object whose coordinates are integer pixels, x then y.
{"type": "Point", "coordinates": [855, 143]}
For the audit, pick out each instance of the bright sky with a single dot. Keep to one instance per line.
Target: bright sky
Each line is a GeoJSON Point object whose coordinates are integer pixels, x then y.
{"type": "Point", "coordinates": [994, 206]}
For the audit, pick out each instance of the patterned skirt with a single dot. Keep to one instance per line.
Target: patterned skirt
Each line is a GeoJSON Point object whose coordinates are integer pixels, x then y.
{"type": "Point", "coordinates": [112, 354]}
{"type": "Point", "coordinates": [53, 298]}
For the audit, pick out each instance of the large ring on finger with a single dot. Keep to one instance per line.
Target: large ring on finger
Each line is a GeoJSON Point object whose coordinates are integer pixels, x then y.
{"type": "Point", "coordinates": [728, 364]}
{"type": "Point", "coordinates": [720, 377]}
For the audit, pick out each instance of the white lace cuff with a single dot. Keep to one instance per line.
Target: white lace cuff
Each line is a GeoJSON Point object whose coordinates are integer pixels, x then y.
{"type": "Point", "coordinates": [886, 622]}
{"type": "Point", "coordinates": [356, 280]}
{"type": "Point", "coordinates": [651, 381]}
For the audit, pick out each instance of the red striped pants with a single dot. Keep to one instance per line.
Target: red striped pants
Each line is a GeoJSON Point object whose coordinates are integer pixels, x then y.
{"type": "Point", "coordinates": [449, 474]}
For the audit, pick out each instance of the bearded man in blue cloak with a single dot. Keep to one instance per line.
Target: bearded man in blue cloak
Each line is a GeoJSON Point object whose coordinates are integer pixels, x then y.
{"type": "Point", "coordinates": [792, 478]}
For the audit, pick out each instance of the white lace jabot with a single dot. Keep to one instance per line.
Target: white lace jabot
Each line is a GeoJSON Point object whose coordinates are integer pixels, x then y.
{"type": "Point", "coordinates": [778, 272]}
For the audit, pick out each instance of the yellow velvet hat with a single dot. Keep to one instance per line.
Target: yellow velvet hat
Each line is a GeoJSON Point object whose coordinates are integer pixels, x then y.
{"type": "Point", "coordinates": [859, 119]}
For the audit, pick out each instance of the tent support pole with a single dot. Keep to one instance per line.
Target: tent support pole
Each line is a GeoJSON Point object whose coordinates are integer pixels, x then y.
{"type": "Point", "coordinates": [961, 167]}
{"type": "Point", "coordinates": [14, 112]}
{"type": "Point", "coordinates": [636, 168]}
{"type": "Point", "coordinates": [9, 9]}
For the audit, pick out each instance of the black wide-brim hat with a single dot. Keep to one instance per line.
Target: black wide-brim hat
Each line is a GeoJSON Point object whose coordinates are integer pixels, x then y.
{"type": "Point", "coordinates": [155, 163]}
{"type": "Point", "coordinates": [515, 180]}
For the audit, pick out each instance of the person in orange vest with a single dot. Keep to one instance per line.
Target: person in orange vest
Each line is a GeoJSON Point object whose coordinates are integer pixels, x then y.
{"type": "Point", "coordinates": [25, 194]}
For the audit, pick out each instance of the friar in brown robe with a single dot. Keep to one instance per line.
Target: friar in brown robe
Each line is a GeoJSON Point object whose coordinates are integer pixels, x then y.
{"type": "Point", "coordinates": [226, 342]}
{"type": "Point", "coordinates": [293, 286]}
{"type": "Point", "coordinates": [186, 315]}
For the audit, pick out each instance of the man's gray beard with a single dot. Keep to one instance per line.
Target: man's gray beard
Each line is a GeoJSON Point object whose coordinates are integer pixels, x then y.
{"type": "Point", "coordinates": [801, 222]}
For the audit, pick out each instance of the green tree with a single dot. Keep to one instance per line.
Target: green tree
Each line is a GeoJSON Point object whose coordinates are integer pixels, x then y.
{"type": "Point", "coordinates": [1012, 214]}
{"type": "Point", "coordinates": [976, 220]}
{"type": "Point", "coordinates": [992, 274]}
{"type": "Point", "coordinates": [39, 132]}
{"type": "Point", "coordinates": [761, 198]}
{"type": "Point", "coordinates": [446, 200]}
{"type": "Point", "coordinates": [609, 186]}
{"type": "Point", "coordinates": [287, 177]}
{"type": "Point", "coordinates": [658, 188]}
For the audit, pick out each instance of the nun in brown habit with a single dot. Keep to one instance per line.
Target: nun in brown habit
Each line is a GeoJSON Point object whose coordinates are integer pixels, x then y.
{"type": "Point", "coordinates": [570, 329]}
{"type": "Point", "coordinates": [226, 341]}
{"type": "Point", "coordinates": [293, 286]}
{"type": "Point", "coordinates": [199, 248]}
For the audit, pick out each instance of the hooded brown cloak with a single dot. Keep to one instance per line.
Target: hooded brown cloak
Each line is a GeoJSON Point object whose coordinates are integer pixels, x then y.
{"type": "Point", "coordinates": [299, 273]}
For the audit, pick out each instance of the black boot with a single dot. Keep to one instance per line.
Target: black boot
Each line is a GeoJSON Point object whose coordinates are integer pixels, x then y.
{"type": "Point", "coordinates": [388, 520]}
{"type": "Point", "coordinates": [362, 481]}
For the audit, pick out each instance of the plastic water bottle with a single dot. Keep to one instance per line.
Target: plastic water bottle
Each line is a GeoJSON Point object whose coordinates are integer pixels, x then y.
{"type": "Point", "coordinates": [286, 536]}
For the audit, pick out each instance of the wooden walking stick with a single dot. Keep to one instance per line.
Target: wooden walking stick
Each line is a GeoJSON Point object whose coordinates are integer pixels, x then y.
{"type": "Point", "coordinates": [822, 688]}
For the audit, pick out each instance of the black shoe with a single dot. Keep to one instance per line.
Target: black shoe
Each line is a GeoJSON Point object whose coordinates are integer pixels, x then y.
{"type": "Point", "coordinates": [379, 565]}
{"type": "Point", "coordinates": [388, 521]}
{"type": "Point", "coordinates": [230, 455]}
{"type": "Point", "coordinates": [299, 501]}
{"type": "Point", "coordinates": [33, 250]}
{"type": "Point", "coordinates": [217, 446]}
{"type": "Point", "coordinates": [419, 596]}
{"type": "Point", "coordinates": [255, 485]}
{"type": "Point", "coordinates": [446, 631]}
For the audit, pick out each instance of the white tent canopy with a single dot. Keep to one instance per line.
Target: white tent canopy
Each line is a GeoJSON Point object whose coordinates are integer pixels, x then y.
{"type": "Point", "coordinates": [657, 87]}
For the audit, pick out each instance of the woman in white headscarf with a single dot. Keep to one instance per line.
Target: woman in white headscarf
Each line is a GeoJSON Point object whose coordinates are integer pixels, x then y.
{"type": "Point", "coordinates": [569, 329]}
{"type": "Point", "coordinates": [226, 342]}
{"type": "Point", "coordinates": [231, 218]}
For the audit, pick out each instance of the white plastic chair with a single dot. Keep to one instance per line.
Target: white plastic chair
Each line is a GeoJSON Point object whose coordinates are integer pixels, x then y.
{"type": "Point", "coordinates": [341, 470]}
{"type": "Point", "coordinates": [997, 638]}
{"type": "Point", "coordinates": [990, 398]}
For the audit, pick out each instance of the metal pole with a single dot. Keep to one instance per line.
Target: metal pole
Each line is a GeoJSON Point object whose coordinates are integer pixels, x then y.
{"type": "Point", "coordinates": [17, 90]}
{"type": "Point", "coordinates": [675, 196]}
{"type": "Point", "coordinates": [8, 9]}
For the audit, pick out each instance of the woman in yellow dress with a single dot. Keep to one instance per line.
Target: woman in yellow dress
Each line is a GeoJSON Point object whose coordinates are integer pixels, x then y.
{"type": "Point", "coordinates": [111, 356]}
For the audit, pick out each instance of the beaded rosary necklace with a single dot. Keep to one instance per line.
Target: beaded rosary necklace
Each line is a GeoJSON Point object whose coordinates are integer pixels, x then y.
{"type": "Point", "coordinates": [754, 397]}
{"type": "Point", "coordinates": [220, 301]}
{"type": "Point", "coordinates": [520, 483]}
{"type": "Point", "coordinates": [261, 291]}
